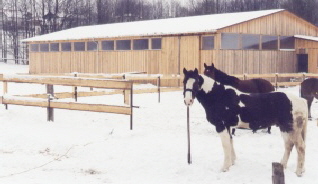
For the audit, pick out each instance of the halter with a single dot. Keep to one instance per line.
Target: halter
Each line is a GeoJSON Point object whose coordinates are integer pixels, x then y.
{"type": "Point", "coordinates": [190, 90]}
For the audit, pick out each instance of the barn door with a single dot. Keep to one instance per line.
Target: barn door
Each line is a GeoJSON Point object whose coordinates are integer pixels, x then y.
{"type": "Point", "coordinates": [189, 52]}
{"type": "Point", "coordinates": [302, 63]}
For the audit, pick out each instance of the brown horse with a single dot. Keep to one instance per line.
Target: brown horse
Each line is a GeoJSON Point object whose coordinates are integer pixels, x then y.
{"type": "Point", "coordinates": [309, 91]}
{"type": "Point", "coordinates": [246, 86]}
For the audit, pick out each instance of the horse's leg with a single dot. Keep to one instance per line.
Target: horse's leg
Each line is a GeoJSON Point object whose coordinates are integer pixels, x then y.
{"type": "Point", "coordinates": [309, 102]}
{"type": "Point", "coordinates": [233, 155]}
{"type": "Point", "coordinates": [226, 143]}
{"type": "Point", "coordinates": [289, 144]}
{"type": "Point", "coordinates": [300, 146]}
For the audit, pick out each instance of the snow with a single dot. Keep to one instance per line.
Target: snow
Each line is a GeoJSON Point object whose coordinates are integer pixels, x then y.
{"type": "Point", "coordinates": [88, 147]}
{"type": "Point", "coordinates": [312, 38]}
{"type": "Point", "coordinates": [181, 25]}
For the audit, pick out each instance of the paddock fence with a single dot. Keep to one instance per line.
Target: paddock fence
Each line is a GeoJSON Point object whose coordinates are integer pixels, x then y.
{"type": "Point", "coordinates": [50, 103]}
{"type": "Point", "coordinates": [277, 79]}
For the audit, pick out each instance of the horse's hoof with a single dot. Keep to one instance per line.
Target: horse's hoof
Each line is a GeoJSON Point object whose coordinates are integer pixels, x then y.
{"type": "Point", "coordinates": [300, 172]}
{"type": "Point", "coordinates": [225, 169]}
{"type": "Point", "coordinates": [284, 165]}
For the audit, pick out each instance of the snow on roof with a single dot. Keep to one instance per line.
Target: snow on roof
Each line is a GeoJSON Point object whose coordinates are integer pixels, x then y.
{"type": "Point", "coordinates": [181, 25]}
{"type": "Point", "coordinates": [312, 38]}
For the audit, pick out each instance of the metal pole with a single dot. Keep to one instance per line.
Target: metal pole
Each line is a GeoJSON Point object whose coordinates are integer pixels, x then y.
{"type": "Point", "coordinates": [188, 130]}
{"type": "Point", "coordinates": [131, 106]}
{"type": "Point", "coordinates": [50, 110]}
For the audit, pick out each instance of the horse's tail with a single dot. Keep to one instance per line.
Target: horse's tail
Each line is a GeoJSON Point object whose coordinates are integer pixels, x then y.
{"type": "Point", "coordinates": [305, 121]}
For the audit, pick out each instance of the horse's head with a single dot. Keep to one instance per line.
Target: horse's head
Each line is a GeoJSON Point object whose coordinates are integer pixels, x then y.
{"type": "Point", "coordinates": [191, 85]}
{"type": "Point", "coordinates": [209, 71]}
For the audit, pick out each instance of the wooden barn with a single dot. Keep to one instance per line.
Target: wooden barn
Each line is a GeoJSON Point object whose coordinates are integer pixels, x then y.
{"type": "Point", "coordinates": [267, 41]}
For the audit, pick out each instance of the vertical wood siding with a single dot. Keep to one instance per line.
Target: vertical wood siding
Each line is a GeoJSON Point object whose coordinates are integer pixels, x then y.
{"type": "Point", "coordinates": [184, 51]}
{"type": "Point", "coordinates": [281, 23]}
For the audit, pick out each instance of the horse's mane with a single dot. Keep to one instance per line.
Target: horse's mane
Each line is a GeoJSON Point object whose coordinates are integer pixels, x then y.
{"type": "Point", "coordinates": [225, 78]}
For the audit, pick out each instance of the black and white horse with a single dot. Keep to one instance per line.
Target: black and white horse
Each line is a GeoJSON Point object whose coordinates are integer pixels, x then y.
{"type": "Point", "coordinates": [225, 107]}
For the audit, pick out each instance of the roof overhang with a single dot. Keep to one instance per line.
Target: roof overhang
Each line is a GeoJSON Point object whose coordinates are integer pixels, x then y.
{"type": "Point", "coordinates": [311, 38]}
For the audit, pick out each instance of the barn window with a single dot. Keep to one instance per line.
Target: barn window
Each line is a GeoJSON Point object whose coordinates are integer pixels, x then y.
{"type": "Point", "coordinates": [207, 42]}
{"type": "Point", "coordinates": [287, 42]}
{"type": "Point", "coordinates": [92, 45]}
{"type": "Point", "coordinates": [250, 41]}
{"type": "Point", "coordinates": [66, 46]}
{"type": "Point", "coordinates": [35, 47]}
{"type": "Point", "coordinates": [269, 42]}
{"type": "Point", "coordinates": [230, 41]}
{"type": "Point", "coordinates": [54, 47]}
{"type": "Point", "coordinates": [141, 44]}
{"type": "Point", "coordinates": [108, 45]}
{"type": "Point", "coordinates": [123, 45]}
{"type": "Point", "coordinates": [79, 46]}
{"type": "Point", "coordinates": [156, 43]}
{"type": "Point", "coordinates": [44, 47]}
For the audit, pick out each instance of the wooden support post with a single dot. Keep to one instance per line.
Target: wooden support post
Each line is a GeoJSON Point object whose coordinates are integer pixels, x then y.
{"type": "Point", "coordinates": [50, 94]}
{"type": "Point", "coordinates": [5, 91]}
{"type": "Point", "coordinates": [75, 89]}
{"type": "Point", "coordinates": [158, 84]}
{"type": "Point", "coordinates": [276, 81]}
{"type": "Point", "coordinates": [304, 76]}
{"type": "Point", "coordinates": [127, 96]}
{"type": "Point", "coordinates": [278, 176]}
{"type": "Point", "coordinates": [245, 76]}
{"type": "Point", "coordinates": [125, 93]}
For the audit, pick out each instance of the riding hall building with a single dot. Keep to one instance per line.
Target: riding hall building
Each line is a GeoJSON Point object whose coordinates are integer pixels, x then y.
{"type": "Point", "coordinates": [268, 41]}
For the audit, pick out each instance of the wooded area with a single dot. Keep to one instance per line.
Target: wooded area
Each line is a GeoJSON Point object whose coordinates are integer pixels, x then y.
{"type": "Point", "coordinates": [26, 18]}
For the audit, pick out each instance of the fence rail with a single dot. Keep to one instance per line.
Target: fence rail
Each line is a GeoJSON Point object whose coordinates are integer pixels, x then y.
{"type": "Point", "coordinates": [125, 85]}
{"type": "Point", "coordinates": [139, 76]}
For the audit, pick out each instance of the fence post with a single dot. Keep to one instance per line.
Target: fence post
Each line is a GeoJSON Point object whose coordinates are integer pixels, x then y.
{"type": "Point", "coordinates": [75, 89]}
{"type": "Point", "coordinates": [5, 91]}
{"type": "Point", "coordinates": [50, 110]}
{"type": "Point", "coordinates": [158, 85]}
{"type": "Point", "coordinates": [244, 76]}
{"type": "Point", "coordinates": [278, 176]}
{"type": "Point", "coordinates": [276, 81]}
{"type": "Point", "coordinates": [304, 76]}
{"type": "Point", "coordinates": [126, 96]}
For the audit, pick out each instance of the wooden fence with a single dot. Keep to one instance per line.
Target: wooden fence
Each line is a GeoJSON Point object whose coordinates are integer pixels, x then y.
{"type": "Point", "coordinates": [125, 85]}
{"type": "Point", "coordinates": [277, 79]}
{"type": "Point", "coordinates": [294, 79]}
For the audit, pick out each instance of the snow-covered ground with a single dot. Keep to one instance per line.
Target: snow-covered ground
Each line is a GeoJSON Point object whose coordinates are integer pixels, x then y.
{"type": "Point", "coordinates": [94, 148]}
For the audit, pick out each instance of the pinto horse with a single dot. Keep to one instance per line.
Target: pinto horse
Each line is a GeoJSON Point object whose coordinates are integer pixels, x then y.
{"type": "Point", "coordinates": [224, 106]}
{"type": "Point", "coordinates": [257, 85]}
{"type": "Point", "coordinates": [309, 91]}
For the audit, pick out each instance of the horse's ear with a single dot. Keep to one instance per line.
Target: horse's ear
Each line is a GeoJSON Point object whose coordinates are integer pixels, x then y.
{"type": "Point", "coordinates": [196, 71]}
{"type": "Point", "coordinates": [185, 71]}
{"type": "Point", "coordinates": [212, 65]}
{"type": "Point", "coordinates": [205, 65]}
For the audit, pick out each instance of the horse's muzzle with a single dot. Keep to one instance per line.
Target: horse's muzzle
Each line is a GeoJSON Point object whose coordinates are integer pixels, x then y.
{"type": "Point", "coordinates": [188, 102]}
